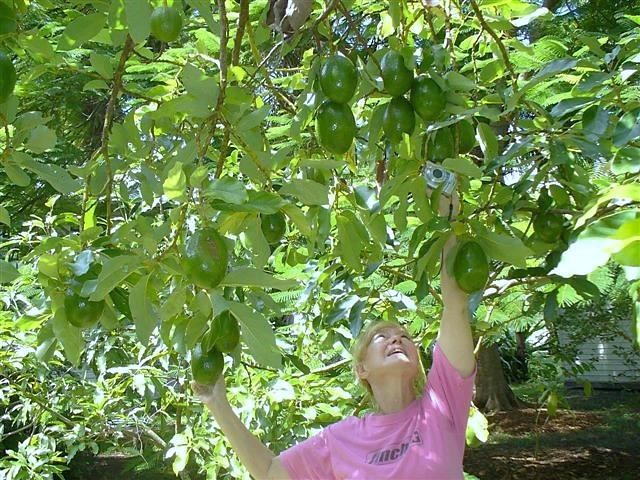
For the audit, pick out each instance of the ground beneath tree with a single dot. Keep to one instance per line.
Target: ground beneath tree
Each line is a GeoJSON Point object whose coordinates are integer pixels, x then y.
{"type": "Point", "coordinates": [597, 439]}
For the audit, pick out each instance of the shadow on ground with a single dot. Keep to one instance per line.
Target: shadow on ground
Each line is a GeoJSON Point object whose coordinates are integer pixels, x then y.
{"type": "Point", "coordinates": [596, 439]}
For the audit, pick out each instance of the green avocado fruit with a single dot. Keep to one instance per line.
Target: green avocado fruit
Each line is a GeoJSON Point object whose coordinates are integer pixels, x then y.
{"type": "Point", "coordinates": [338, 78]}
{"type": "Point", "coordinates": [335, 126]}
{"type": "Point", "coordinates": [471, 267]}
{"type": "Point", "coordinates": [398, 118]}
{"type": "Point", "coordinates": [548, 226]}
{"type": "Point", "coordinates": [273, 227]}
{"type": "Point", "coordinates": [205, 258]}
{"type": "Point", "coordinates": [81, 312]}
{"type": "Point", "coordinates": [8, 77]}
{"type": "Point", "coordinates": [228, 332]}
{"type": "Point", "coordinates": [166, 23]}
{"type": "Point", "coordinates": [206, 367]}
{"type": "Point", "coordinates": [441, 145]}
{"type": "Point", "coordinates": [397, 78]}
{"type": "Point", "coordinates": [427, 98]}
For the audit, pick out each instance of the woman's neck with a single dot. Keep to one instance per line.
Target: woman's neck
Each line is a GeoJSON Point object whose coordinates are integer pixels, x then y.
{"type": "Point", "coordinates": [393, 395]}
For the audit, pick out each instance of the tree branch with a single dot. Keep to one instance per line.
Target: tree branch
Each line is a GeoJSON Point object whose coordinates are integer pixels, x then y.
{"type": "Point", "coordinates": [242, 21]}
{"type": "Point", "coordinates": [498, 41]}
{"type": "Point", "coordinates": [108, 120]}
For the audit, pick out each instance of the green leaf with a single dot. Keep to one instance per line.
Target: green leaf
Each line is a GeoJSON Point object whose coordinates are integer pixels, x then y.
{"type": "Point", "coordinates": [479, 424]}
{"type": "Point", "coordinates": [492, 71]}
{"type": "Point", "coordinates": [56, 176]}
{"type": "Point", "coordinates": [456, 81]}
{"type": "Point", "coordinates": [257, 334]}
{"type": "Point", "coordinates": [569, 105]}
{"type": "Point", "coordinates": [550, 70]}
{"type": "Point", "coordinates": [307, 191]}
{"type": "Point", "coordinates": [259, 202]}
{"type": "Point", "coordinates": [595, 120]}
{"type": "Point", "coordinates": [143, 311]}
{"type": "Point", "coordinates": [629, 255]}
{"type": "Point", "coordinates": [197, 325]}
{"type": "Point", "coordinates": [254, 118]}
{"type": "Point", "coordinates": [204, 9]}
{"type": "Point", "coordinates": [202, 87]}
{"type": "Point", "coordinates": [180, 452]}
{"type": "Point", "coordinates": [627, 128]}
{"type": "Point", "coordinates": [504, 248]}
{"type": "Point", "coordinates": [252, 277]}
{"type": "Point", "coordinates": [593, 45]}
{"type": "Point", "coordinates": [4, 216]}
{"type": "Point", "coordinates": [102, 65]}
{"type": "Point", "coordinates": [298, 217]}
{"type": "Point", "coordinates": [630, 191]}
{"type": "Point", "coordinates": [256, 242]}
{"type": "Point", "coordinates": [228, 190]}
{"type": "Point", "coordinates": [80, 30]}
{"type": "Point", "coordinates": [488, 141]}
{"type": "Point", "coordinates": [46, 342]}
{"type": "Point", "coordinates": [114, 271]}
{"type": "Point", "coordinates": [175, 184]}
{"type": "Point", "coordinates": [462, 165]}
{"type": "Point", "coordinates": [138, 19]}
{"type": "Point", "coordinates": [430, 258]}
{"type": "Point", "coordinates": [174, 304]}
{"type": "Point", "coordinates": [627, 160]}
{"type": "Point", "coordinates": [349, 243]}
{"type": "Point", "coordinates": [95, 85]}
{"type": "Point", "coordinates": [16, 174]}
{"type": "Point", "coordinates": [550, 312]}
{"type": "Point", "coordinates": [596, 243]}
{"type": "Point", "coordinates": [8, 273]}
{"type": "Point", "coordinates": [69, 336]}
{"type": "Point", "coordinates": [41, 139]}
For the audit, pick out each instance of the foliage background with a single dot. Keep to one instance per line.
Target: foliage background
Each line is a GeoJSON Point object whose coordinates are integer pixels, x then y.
{"type": "Point", "coordinates": [116, 146]}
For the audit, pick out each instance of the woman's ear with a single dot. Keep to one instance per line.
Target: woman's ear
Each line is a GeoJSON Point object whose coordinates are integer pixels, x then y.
{"type": "Point", "coordinates": [363, 373]}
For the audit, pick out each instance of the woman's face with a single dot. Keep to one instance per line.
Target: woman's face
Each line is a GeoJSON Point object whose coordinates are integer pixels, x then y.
{"type": "Point", "coordinates": [391, 351]}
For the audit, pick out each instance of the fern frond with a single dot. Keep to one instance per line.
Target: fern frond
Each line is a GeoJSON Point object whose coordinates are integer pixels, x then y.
{"type": "Point", "coordinates": [287, 297]}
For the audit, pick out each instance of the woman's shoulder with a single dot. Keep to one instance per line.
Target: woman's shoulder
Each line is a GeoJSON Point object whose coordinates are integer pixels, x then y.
{"type": "Point", "coordinates": [346, 424]}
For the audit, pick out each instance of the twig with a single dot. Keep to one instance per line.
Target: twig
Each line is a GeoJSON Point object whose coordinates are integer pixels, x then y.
{"type": "Point", "coordinates": [212, 122]}
{"type": "Point", "coordinates": [242, 21]}
{"type": "Point", "coordinates": [108, 120]}
{"type": "Point", "coordinates": [501, 46]}
{"type": "Point", "coordinates": [355, 30]}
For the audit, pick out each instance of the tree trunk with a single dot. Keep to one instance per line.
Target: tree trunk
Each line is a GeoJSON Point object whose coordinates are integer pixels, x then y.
{"type": "Point", "coordinates": [521, 355]}
{"type": "Point", "coordinates": [492, 390]}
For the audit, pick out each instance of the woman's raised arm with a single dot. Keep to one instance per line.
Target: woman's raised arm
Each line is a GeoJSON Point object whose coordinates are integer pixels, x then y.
{"type": "Point", "coordinates": [454, 337]}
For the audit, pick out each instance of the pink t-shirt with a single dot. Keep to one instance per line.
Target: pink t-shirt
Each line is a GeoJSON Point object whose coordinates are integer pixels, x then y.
{"type": "Point", "coordinates": [426, 440]}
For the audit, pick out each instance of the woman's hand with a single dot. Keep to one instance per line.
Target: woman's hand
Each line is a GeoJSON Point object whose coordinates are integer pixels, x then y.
{"type": "Point", "coordinates": [211, 394]}
{"type": "Point", "coordinates": [446, 202]}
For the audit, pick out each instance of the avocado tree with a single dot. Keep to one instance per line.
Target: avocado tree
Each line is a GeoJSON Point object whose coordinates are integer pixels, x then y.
{"type": "Point", "coordinates": [176, 174]}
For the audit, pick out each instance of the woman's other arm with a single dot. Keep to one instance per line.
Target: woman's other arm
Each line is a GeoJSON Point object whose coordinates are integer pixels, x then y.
{"type": "Point", "coordinates": [257, 458]}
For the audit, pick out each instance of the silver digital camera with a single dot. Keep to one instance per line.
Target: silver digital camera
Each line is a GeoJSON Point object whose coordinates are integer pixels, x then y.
{"type": "Point", "coordinates": [436, 176]}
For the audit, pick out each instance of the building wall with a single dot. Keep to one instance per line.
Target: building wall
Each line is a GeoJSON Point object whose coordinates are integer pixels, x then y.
{"type": "Point", "coordinates": [615, 361]}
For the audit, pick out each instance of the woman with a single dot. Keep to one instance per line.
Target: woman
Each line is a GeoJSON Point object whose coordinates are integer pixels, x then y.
{"type": "Point", "coordinates": [409, 436]}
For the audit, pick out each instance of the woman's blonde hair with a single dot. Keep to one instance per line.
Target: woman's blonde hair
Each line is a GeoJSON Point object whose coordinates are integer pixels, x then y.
{"type": "Point", "coordinates": [359, 351]}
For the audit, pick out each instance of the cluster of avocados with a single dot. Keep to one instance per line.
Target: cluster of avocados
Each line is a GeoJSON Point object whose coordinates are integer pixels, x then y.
{"type": "Point", "coordinates": [335, 124]}
{"type": "Point", "coordinates": [207, 361]}
{"type": "Point", "coordinates": [205, 258]}
{"type": "Point", "coordinates": [335, 130]}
